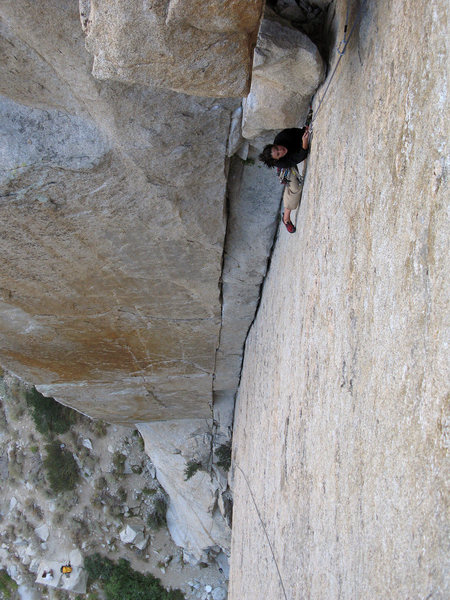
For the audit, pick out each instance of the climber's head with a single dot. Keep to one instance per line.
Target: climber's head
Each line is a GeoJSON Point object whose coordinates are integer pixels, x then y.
{"type": "Point", "coordinates": [271, 153]}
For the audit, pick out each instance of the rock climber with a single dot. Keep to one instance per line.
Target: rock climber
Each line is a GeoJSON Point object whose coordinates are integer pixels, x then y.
{"type": "Point", "coordinates": [289, 148]}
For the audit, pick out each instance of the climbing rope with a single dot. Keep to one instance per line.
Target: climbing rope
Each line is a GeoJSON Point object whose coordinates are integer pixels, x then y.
{"type": "Point", "coordinates": [341, 51]}
{"type": "Point", "coordinates": [264, 528]}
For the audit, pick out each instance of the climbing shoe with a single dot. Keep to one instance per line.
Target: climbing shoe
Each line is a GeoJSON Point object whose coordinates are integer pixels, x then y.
{"type": "Point", "coordinates": [290, 227]}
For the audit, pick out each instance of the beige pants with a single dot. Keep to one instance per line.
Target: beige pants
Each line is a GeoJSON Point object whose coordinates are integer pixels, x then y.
{"type": "Point", "coordinates": [292, 193]}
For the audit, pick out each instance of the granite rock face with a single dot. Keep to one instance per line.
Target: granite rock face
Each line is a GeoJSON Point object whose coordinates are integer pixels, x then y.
{"type": "Point", "coordinates": [113, 226]}
{"type": "Point", "coordinates": [119, 295]}
{"type": "Point", "coordinates": [112, 218]}
{"type": "Point", "coordinates": [113, 222]}
{"type": "Point", "coordinates": [196, 48]}
{"type": "Point", "coordinates": [342, 418]}
{"type": "Point", "coordinates": [287, 69]}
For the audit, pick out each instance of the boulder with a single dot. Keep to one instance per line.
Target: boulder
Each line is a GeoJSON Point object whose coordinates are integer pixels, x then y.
{"type": "Point", "coordinates": [49, 574]}
{"type": "Point", "coordinates": [183, 45]}
{"type": "Point", "coordinates": [76, 582]}
{"type": "Point", "coordinates": [34, 565]}
{"type": "Point", "coordinates": [287, 69]}
{"type": "Point", "coordinates": [87, 443]}
{"type": "Point", "coordinates": [76, 558]}
{"type": "Point", "coordinates": [141, 541]}
{"type": "Point", "coordinates": [133, 533]}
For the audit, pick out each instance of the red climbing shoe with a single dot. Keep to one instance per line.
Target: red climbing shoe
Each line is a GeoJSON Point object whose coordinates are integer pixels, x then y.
{"type": "Point", "coordinates": [290, 227]}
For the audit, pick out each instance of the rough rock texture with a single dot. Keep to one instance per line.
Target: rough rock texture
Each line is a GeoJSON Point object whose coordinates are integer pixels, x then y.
{"type": "Point", "coordinates": [342, 425]}
{"type": "Point", "coordinates": [112, 228]}
{"type": "Point", "coordinates": [192, 47]}
{"type": "Point", "coordinates": [287, 69]}
{"type": "Point", "coordinates": [108, 278]}
{"type": "Point", "coordinates": [193, 516]}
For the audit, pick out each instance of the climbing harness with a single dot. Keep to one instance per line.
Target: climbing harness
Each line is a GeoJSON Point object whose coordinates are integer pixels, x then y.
{"type": "Point", "coordinates": [341, 51]}
{"type": "Point", "coordinates": [264, 528]}
{"type": "Point", "coordinates": [285, 175]}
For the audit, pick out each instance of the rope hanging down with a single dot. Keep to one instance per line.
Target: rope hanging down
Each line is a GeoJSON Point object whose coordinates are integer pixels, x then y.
{"type": "Point", "coordinates": [264, 528]}
{"type": "Point", "coordinates": [341, 51]}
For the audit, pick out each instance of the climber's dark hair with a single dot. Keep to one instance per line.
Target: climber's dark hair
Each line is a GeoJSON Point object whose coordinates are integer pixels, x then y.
{"type": "Point", "coordinates": [266, 156]}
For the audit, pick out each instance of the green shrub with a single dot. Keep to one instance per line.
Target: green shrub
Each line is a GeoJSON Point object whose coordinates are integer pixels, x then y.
{"type": "Point", "coordinates": [98, 567]}
{"type": "Point", "coordinates": [61, 469]}
{"type": "Point", "coordinates": [120, 581]}
{"type": "Point", "coordinates": [99, 427]}
{"type": "Point", "coordinates": [157, 518]}
{"type": "Point", "coordinates": [7, 585]}
{"type": "Point", "coordinates": [122, 494]}
{"type": "Point", "coordinates": [61, 595]}
{"type": "Point", "coordinates": [49, 416]}
{"type": "Point", "coordinates": [223, 453]}
{"type": "Point", "coordinates": [192, 466]}
{"type": "Point", "coordinates": [119, 463]}
{"type": "Point", "coordinates": [101, 484]}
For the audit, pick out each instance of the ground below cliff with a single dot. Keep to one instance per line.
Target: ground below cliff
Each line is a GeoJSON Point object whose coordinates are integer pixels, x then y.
{"type": "Point", "coordinates": [116, 506]}
{"type": "Point", "coordinates": [341, 427]}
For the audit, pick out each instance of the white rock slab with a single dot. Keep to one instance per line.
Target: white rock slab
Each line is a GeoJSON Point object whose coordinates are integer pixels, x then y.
{"type": "Point", "coordinates": [193, 522]}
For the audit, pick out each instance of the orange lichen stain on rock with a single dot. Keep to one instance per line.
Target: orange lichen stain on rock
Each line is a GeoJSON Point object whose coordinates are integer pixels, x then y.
{"type": "Point", "coordinates": [79, 355]}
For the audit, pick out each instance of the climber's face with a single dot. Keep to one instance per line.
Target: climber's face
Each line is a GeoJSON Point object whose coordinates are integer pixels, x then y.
{"type": "Point", "coordinates": [278, 152]}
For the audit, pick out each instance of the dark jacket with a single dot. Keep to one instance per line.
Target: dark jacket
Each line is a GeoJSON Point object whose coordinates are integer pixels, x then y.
{"type": "Point", "coordinates": [292, 140]}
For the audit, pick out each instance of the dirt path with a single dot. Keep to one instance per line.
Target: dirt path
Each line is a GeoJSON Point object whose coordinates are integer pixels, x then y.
{"type": "Point", "coordinates": [342, 425]}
